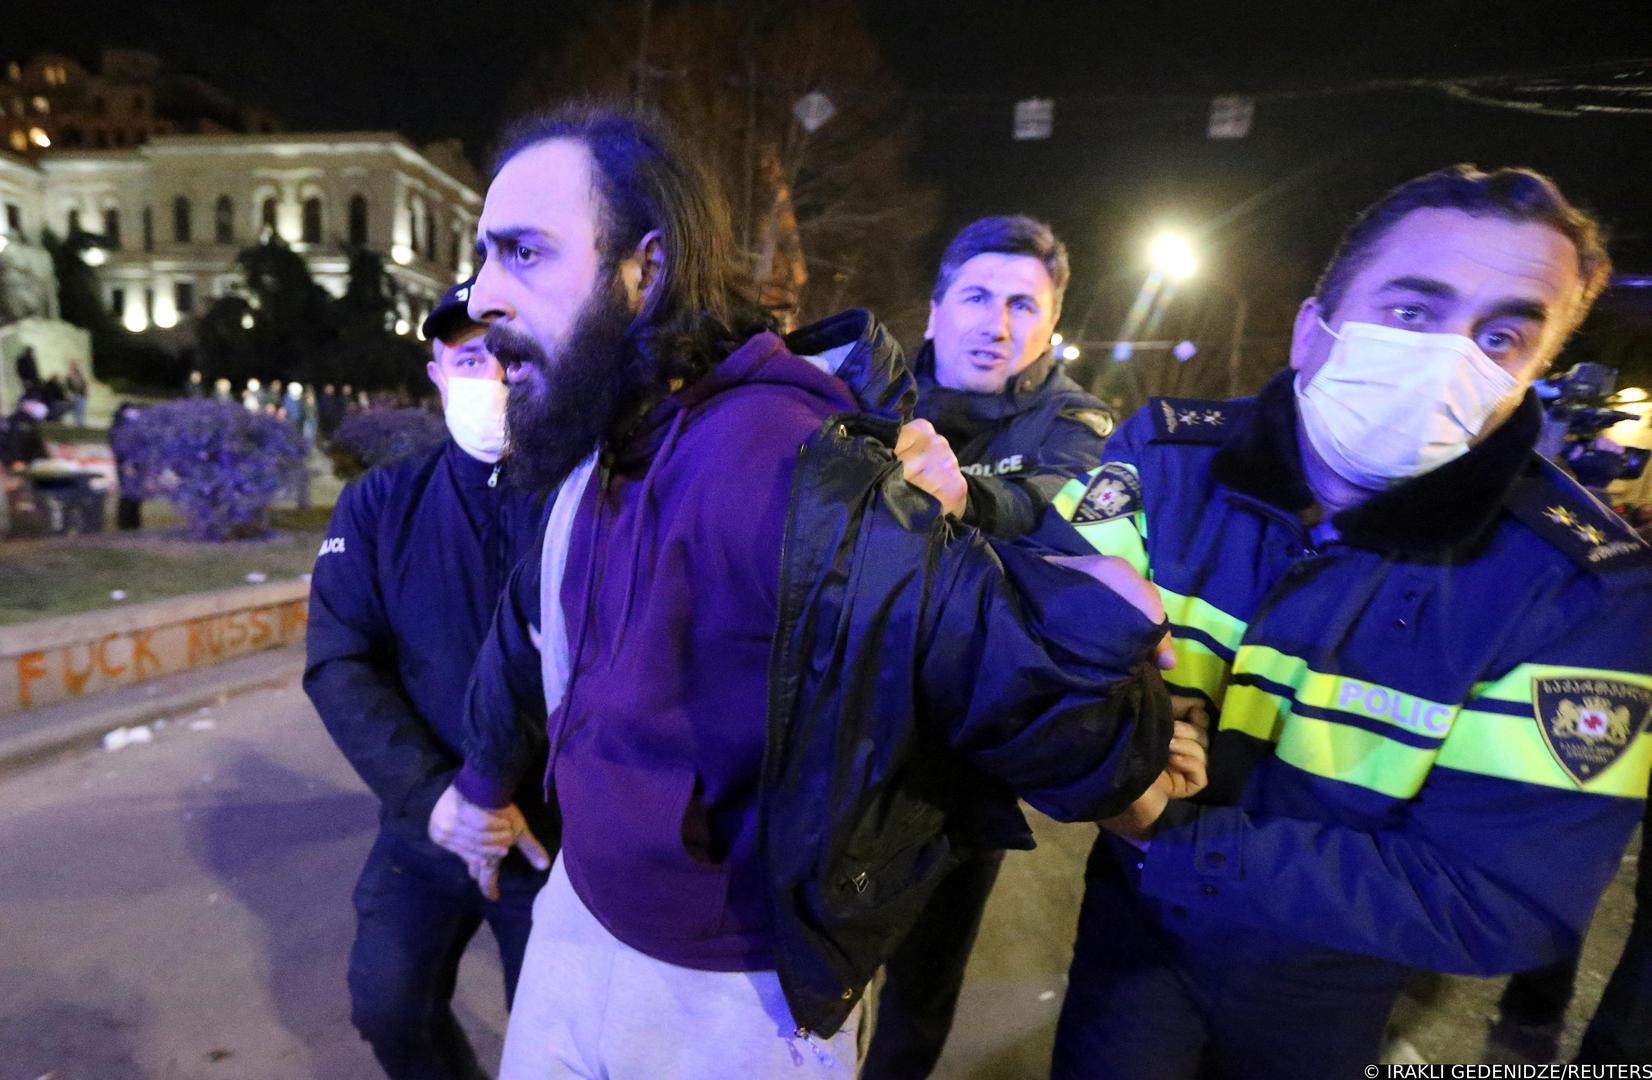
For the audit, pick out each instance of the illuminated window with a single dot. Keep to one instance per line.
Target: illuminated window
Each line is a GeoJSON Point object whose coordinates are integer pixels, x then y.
{"type": "Point", "coordinates": [41, 105]}
{"type": "Point", "coordinates": [19, 141]}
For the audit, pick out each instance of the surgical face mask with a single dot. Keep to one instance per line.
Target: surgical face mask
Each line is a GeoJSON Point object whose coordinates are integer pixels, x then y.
{"type": "Point", "coordinates": [475, 414]}
{"type": "Point", "coordinates": [1390, 404]}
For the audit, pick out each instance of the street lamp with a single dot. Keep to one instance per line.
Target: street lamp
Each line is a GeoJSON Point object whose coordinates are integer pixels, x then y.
{"type": "Point", "coordinates": [1171, 254]}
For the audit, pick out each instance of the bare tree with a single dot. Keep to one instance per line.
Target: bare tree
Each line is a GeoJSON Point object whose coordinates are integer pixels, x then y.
{"type": "Point", "coordinates": [839, 198]}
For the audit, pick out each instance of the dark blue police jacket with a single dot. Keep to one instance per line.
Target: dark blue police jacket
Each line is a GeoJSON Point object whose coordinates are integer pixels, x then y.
{"type": "Point", "coordinates": [402, 597]}
{"type": "Point", "coordinates": [1433, 737]}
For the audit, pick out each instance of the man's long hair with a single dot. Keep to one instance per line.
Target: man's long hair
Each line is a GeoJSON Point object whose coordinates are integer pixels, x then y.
{"type": "Point", "coordinates": [646, 180]}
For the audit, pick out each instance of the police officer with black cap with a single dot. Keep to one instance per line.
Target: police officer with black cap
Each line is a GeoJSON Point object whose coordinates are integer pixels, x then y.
{"type": "Point", "coordinates": [404, 587]}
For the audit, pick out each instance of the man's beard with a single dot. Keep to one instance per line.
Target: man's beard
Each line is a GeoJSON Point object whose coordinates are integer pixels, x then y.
{"type": "Point", "coordinates": [556, 416]}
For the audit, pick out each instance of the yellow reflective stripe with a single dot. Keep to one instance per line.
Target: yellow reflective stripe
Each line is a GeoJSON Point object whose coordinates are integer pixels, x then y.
{"type": "Point", "coordinates": [1359, 697]}
{"type": "Point", "coordinates": [1271, 664]}
{"type": "Point", "coordinates": [1067, 499]}
{"type": "Point", "coordinates": [1355, 756]}
{"type": "Point", "coordinates": [1335, 751]}
{"type": "Point", "coordinates": [1197, 668]}
{"type": "Point", "coordinates": [1192, 611]}
{"type": "Point", "coordinates": [1117, 536]}
{"type": "Point", "coordinates": [1516, 686]}
{"type": "Point", "coordinates": [1512, 748]}
{"type": "Point", "coordinates": [1253, 711]}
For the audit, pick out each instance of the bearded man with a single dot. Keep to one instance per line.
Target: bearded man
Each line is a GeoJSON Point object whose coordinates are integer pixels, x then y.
{"type": "Point", "coordinates": [771, 667]}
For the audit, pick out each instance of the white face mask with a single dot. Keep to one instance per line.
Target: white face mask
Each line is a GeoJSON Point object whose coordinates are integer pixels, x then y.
{"type": "Point", "coordinates": [475, 413]}
{"type": "Point", "coordinates": [1390, 404]}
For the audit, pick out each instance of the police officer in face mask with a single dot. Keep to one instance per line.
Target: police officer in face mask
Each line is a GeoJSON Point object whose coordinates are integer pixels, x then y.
{"type": "Point", "coordinates": [1424, 646]}
{"type": "Point", "coordinates": [403, 591]}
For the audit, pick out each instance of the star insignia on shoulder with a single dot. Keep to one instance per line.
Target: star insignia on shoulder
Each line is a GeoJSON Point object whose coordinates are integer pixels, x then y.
{"type": "Point", "coordinates": [1189, 417]}
{"type": "Point", "coordinates": [1212, 416]}
{"type": "Point", "coordinates": [1590, 534]}
{"type": "Point", "coordinates": [1561, 515]}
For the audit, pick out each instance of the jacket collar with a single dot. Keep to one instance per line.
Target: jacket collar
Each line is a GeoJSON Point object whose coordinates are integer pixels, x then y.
{"type": "Point", "coordinates": [468, 469]}
{"type": "Point", "coordinates": [1447, 508]}
{"type": "Point", "coordinates": [1023, 392]}
{"type": "Point", "coordinates": [865, 357]}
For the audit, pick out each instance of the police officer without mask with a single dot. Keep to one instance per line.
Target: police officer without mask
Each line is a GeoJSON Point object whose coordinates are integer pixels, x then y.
{"type": "Point", "coordinates": [989, 385]}
{"type": "Point", "coordinates": [404, 586]}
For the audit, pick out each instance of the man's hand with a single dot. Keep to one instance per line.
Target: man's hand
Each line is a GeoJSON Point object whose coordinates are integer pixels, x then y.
{"type": "Point", "coordinates": [482, 837]}
{"type": "Point", "coordinates": [1189, 747]}
{"type": "Point", "coordinates": [1121, 577]}
{"type": "Point", "coordinates": [1137, 823]}
{"type": "Point", "coordinates": [1185, 777]}
{"type": "Point", "coordinates": [931, 466]}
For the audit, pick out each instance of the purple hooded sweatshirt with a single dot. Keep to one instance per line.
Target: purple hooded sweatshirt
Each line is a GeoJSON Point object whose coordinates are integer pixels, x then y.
{"type": "Point", "coordinates": [670, 599]}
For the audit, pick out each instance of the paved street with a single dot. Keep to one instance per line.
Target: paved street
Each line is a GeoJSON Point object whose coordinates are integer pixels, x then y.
{"type": "Point", "coordinates": [181, 910]}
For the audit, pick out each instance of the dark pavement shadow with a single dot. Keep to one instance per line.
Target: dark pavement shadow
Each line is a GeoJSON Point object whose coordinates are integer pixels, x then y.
{"type": "Point", "coordinates": [69, 1031]}
{"type": "Point", "coordinates": [292, 862]}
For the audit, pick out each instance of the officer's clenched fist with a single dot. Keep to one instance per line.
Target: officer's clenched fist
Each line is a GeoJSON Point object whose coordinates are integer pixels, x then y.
{"type": "Point", "coordinates": [931, 466]}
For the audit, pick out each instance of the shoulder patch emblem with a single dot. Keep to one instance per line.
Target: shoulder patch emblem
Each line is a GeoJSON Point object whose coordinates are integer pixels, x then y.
{"type": "Point", "coordinates": [1097, 420]}
{"type": "Point", "coordinates": [1589, 723]}
{"type": "Point", "coordinates": [1113, 491]}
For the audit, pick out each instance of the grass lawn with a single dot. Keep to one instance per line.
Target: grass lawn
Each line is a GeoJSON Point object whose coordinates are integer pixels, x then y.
{"type": "Point", "coordinates": [40, 578]}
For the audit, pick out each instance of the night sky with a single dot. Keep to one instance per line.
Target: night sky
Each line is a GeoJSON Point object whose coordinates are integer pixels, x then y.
{"type": "Point", "coordinates": [1131, 81]}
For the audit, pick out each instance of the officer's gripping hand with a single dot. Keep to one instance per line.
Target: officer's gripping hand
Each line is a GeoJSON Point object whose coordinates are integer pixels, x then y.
{"type": "Point", "coordinates": [930, 465]}
{"type": "Point", "coordinates": [1188, 772]}
{"type": "Point", "coordinates": [482, 837]}
{"type": "Point", "coordinates": [1117, 574]}
{"type": "Point", "coordinates": [1185, 777]}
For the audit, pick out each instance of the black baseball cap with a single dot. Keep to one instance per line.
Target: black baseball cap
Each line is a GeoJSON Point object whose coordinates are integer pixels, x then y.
{"type": "Point", "coordinates": [451, 314]}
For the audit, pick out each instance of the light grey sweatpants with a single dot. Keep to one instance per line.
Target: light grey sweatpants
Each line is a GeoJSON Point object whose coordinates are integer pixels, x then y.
{"type": "Point", "coordinates": [590, 1006]}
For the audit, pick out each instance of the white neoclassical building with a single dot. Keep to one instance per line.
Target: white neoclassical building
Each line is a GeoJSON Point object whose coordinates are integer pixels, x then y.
{"type": "Point", "coordinates": [174, 212]}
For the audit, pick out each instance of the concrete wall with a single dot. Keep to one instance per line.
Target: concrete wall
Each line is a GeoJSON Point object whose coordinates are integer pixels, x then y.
{"type": "Point", "coordinates": [53, 660]}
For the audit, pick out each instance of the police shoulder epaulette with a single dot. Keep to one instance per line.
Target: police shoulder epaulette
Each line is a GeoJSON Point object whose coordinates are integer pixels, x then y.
{"type": "Point", "coordinates": [1192, 420]}
{"type": "Point", "coordinates": [1099, 421]}
{"type": "Point", "coordinates": [1558, 509]}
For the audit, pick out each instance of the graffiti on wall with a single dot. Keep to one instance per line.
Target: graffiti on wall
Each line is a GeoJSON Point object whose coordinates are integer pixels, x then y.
{"type": "Point", "coordinates": [47, 676]}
